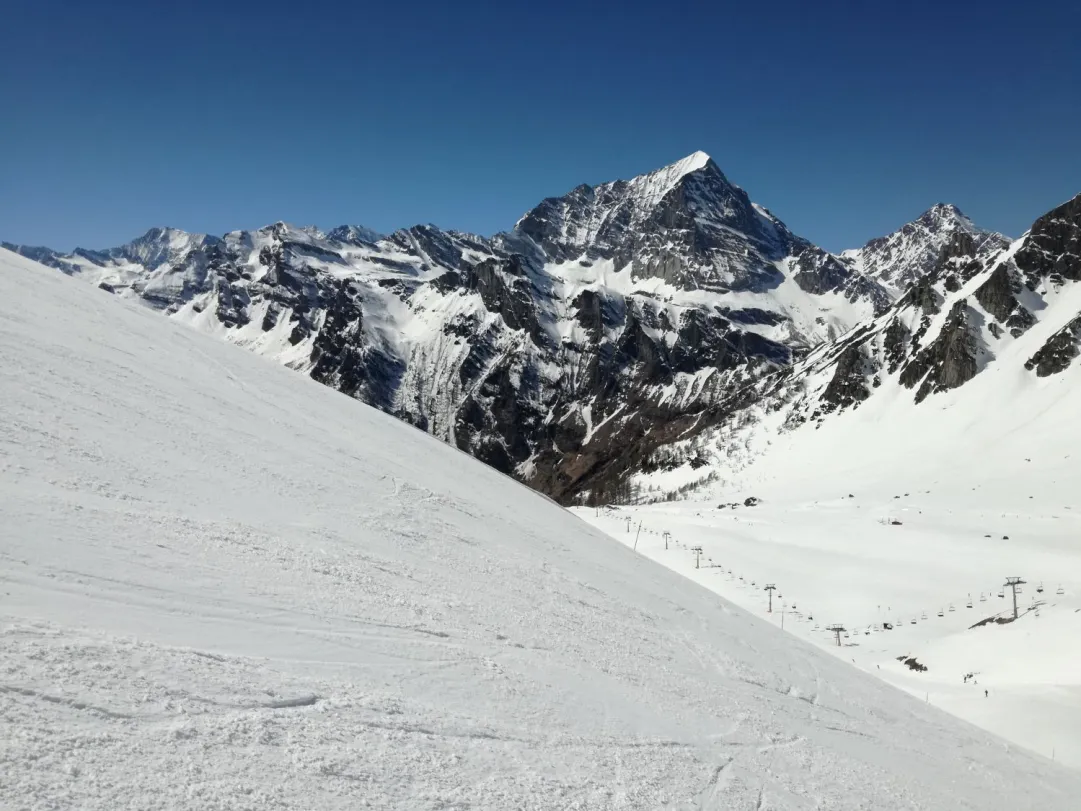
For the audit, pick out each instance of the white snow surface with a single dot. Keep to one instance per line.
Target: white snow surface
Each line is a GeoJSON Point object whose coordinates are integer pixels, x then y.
{"type": "Point", "coordinates": [226, 586]}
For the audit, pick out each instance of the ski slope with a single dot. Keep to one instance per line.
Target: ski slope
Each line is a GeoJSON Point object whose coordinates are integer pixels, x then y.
{"type": "Point", "coordinates": [226, 586]}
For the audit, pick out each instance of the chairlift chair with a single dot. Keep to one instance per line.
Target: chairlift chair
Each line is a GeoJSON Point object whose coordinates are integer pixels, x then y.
{"type": "Point", "coordinates": [1001, 593]}
{"type": "Point", "coordinates": [1039, 588]}
{"type": "Point", "coordinates": [983, 597]}
{"type": "Point", "coordinates": [952, 609]}
{"type": "Point", "coordinates": [940, 613]}
{"type": "Point", "coordinates": [923, 616]}
{"type": "Point", "coordinates": [1060, 591]}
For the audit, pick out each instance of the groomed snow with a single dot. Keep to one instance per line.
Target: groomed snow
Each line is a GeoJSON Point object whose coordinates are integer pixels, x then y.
{"type": "Point", "coordinates": [225, 586]}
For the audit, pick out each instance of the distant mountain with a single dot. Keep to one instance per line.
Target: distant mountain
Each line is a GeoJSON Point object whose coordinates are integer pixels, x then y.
{"type": "Point", "coordinates": [900, 258]}
{"type": "Point", "coordinates": [609, 322]}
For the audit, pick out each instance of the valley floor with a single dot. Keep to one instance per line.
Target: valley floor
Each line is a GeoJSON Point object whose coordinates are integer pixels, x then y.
{"type": "Point", "coordinates": [866, 559]}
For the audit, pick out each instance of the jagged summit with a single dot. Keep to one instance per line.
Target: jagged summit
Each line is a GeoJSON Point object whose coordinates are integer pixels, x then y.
{"type": "Point", "coordinates": [638, 195]}
{"type": "Point", "coordinates": [901, 258]}
{"type": "Point", "coordinates": [684, 223]}
{"type": "Point", "coordinates": [942, 216]}
{"type": "Point", "coordinates": [943, 210]}
{"type": "Point", "coordinates": [355, 234]}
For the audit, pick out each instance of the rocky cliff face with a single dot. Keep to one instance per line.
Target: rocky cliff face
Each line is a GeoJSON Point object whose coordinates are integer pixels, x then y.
{"type": "Point", "coordinates": [610, 322]}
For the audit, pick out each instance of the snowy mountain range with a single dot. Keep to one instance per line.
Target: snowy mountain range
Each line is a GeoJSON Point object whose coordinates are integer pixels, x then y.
{"type": "Point", "coordinates": [610, 324]}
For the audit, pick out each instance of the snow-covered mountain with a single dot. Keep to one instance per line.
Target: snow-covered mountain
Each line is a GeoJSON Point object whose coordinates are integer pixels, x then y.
{"type": "Point", "coordinates": [607, 322]}
{"type": "Point", "coordinates": [900, 259]}
{"type": "Point", "coordinates": [992, 320]}
{"type": "Point", "coordinates": [225, 586]}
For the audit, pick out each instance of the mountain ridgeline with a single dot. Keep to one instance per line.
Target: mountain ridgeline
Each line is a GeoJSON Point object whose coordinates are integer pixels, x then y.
{"type": "Point", "coordinates": [611, 325]}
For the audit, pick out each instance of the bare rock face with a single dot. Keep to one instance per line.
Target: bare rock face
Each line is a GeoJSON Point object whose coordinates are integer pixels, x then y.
{"type": "Point", "coordinates": [820, 272]}
{"type": "Point", "coordinates": [1052, 250]}
{"type": "Point", "coordinates": [1059, 352]}
{"type": "Point", "coordinates": [849, 383]}
{"type": "Point", "coordinates": [998, 295]}
{"type": "Point", "coordinates": [947, 362]}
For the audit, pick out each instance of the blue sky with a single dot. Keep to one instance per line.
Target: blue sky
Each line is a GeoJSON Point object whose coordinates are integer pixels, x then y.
{"type": "Point", "coordinates": [845, 119]}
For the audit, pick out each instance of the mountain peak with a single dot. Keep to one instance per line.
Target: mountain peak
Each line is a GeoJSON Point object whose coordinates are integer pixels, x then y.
{"type": "Point", "coordinates": [898, 259]}
{"type": "Point", "coordinates": [159, 233]}
{"type": "Point", "coordinates": [660, 181]}
{"type": "Point", "coordinates": [354, 234]}
{"type": "Point", "coordinates": [944, 213]}
{"type": "Point", "coordinates": [692, 163]}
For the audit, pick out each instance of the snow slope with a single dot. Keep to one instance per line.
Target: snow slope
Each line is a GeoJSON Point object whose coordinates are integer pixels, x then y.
{"type": "Point", "coordinates": [225, 586]}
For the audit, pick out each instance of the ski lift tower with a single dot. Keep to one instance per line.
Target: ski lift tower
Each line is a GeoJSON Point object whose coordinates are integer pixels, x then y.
{"type": "Point", "coordinates": [836, 629]}
{"type": "Point", "coordinates": [1013, 583]}
{"type": "Point", "coordinates": [697, 555]}
{"type": "Point", "coordinates": [666, 535]}
{"type": "Point", "coordinates": [769, 588]}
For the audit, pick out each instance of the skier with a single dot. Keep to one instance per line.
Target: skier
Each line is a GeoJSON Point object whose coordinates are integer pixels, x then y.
{"type": "Point", "coordinates": [985, 694]}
